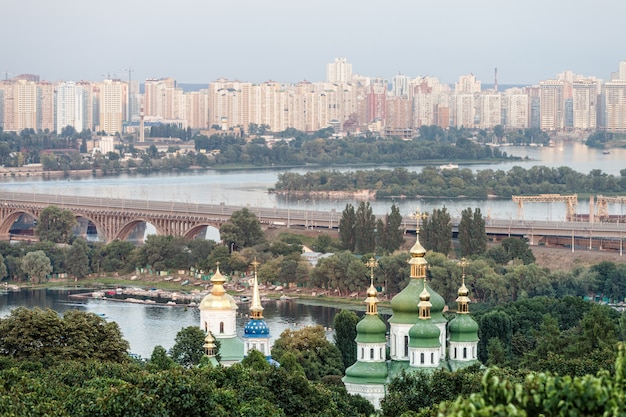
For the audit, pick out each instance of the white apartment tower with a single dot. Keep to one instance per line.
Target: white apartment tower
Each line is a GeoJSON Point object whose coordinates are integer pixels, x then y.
{"type": "Point", "coordinates": [515, 104]}
{"type": "Point", "coordinates": [585, 103]}
{"type": "Point", "coordinates": [467, 84]}
{"type": "Point", "coordinates": [339, 71]}
{"type": "Point", "coordinates": [615, 105]}
{"type": "Point", "coordinates": [552, 105]}
{"type": "Point", "coordinates": [70, 106]}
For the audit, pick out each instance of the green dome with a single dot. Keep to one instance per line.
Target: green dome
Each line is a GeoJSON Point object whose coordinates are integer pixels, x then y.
{"type": "Point", "coordinates": [463, 328]}
{"type": "Point", "coordinates": [404, 304]}
{"type": "Point", "coordinates": [371, 329]}
{"type": "Point", "coordinates": [424, 334]}
{"type": "Point", "coordinates": [366, 372]}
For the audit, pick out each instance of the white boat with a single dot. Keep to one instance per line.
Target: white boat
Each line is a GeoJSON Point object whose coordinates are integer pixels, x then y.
{"type": "Point", "coordinates": [449, 166]}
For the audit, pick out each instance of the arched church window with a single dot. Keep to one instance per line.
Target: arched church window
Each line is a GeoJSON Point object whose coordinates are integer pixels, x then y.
{"type": "Point", "coordinates": [406, 345]}
{"type": "Point", "coordinates": [221, 327]}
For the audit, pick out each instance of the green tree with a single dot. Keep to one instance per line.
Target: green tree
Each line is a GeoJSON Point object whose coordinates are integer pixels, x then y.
{"type": "Point", "coordinates": [188, 346]}
{"type": "Point", "coordinates": [55, 225]}
{"type": "Point", "coordinates": [495, 324]}
{"type": "Point", "coordinates": [344, 324]}
{"type": "Point", "coordinates": [347, 228]}
{"type": "Point", "coordinates": [472, 236]}
{"type": "Point", "coordinates": [242, 230]}
{"type": "Point", "coordinates": [159, 360]}
{"type": "Point", "coordinates": [3, 268]}
{"type": "Point", "coordinates": [36, 265]}
{"type": "Point", "coordinates": [437, 231]}
{"type": "Point", "coordinates": [390, 231]}
{"type": "Point", "coordinates": [317, 356]}
{"type": "Point", "coordinates": [77, 260]}
{"type": "Point", "coordinates": [365, 229]}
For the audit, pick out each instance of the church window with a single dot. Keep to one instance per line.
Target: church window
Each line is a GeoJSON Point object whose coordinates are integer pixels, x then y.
{"type": "Point", "coordinates": [432, 357]}
{"type": "Point", "coordinates": [372, 353]}
{"type": "Point", "coordinates": [406, 346]}
{"type": "Point", "coordinates": [454, 353]}
{"type": "Point", "coordinates": [262, 347]}
{"type": "Point", "coordinates": [464, 353]}
{"type": "Point", "coordinates": [362, 353]}
{"type": "Point", "coordinates": [381, 353]}
{"type": "Point", "coordinates": [221, 327]}
{"type": "Point", "coordinates": [421, 358]}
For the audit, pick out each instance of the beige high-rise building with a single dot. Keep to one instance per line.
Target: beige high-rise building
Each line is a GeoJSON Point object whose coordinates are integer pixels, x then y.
{"type": "Point", "coordinates": [46, 107]}
{"type": "Point", "coordinates": [112, 103]}
{"type": "Point", "coordinates": [197, 109]}
{"type": "Point", "coordinates": [615, 105]}
{"type": "Point", "coordinates": [339, 71]}
{"type": "Point", "coordinates": [25, 102]}
{"type": "Point", "coordinates": [467, 84]}
{"type": "Point", "coordinates": [552, 116]}
{"type": "Point", "coordinates": [7, 94]}
{"type": "Point", "coordinates": [70, 106]}
{"type": "Point", "coordinates": [585, 104]}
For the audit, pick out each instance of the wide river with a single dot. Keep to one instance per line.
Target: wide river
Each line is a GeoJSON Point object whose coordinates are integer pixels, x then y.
{"type": "Point", "coordinates": [250, 187]}
{"type": "Point", "coordinates": [147, 325]}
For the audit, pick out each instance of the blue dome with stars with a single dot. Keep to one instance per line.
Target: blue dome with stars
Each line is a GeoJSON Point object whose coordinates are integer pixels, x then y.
{"type": "Point", "coordinates": [256, 328]}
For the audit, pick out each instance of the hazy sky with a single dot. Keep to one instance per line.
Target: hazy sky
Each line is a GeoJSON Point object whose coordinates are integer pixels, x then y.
{"type": "Point", "coordinates": [198, 41]}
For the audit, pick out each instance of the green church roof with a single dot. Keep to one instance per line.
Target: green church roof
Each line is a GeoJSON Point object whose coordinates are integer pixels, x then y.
{"type": "Point", "coordinates": [366, 373]}
{"type": "Point", "coordinates": [371, 329]}
{"type": "Point", "coordinates": [463, 328]}
{"type": "Point", "coordinates": [424, 334]}
{"type": "Point", "coordinates": [404, 304]}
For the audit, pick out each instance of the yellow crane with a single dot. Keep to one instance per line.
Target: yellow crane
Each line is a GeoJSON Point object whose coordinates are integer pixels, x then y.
{"type": "Point", "coordinates": [602, 205]}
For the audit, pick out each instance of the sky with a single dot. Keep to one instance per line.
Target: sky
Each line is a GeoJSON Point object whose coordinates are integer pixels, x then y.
{"type": "Point", "coordinates": [199, 41]}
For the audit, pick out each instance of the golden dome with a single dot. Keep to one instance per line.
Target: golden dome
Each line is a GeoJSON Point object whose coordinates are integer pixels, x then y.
{"type": "Point", "coordinates": [218, 299]}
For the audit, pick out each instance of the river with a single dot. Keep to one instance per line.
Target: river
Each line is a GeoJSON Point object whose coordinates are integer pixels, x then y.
{"type": "Point", "coordinates": [249, 187]}
{"type": "Point", "coordinates": [145, 326]}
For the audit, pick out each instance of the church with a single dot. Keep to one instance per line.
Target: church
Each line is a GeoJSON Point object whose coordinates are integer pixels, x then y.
{"type": "Point", "coordinates": [218, 316]}
{"type": "Point", "coordinates": [420, 337]}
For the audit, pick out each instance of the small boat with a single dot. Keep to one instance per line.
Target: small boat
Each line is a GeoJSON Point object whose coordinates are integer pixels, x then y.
{"type": "Point", "coordinates": [606, 152]}
{"type": "Point", "coordinates": [449, 166]}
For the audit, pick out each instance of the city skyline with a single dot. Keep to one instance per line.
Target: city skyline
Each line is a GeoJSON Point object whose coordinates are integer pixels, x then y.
{"type": "Point", "coordinates": [198, 42]}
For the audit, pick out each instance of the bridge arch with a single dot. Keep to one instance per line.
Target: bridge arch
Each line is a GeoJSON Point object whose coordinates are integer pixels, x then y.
{"type": "Point", "coordinates": [195, 229]}
{"type": "Point", "coordinates": [122, 232]}
{"type": "Point", "coordinates": [99, 227]}
{"type": "Point", "coordinates": [12, 217]}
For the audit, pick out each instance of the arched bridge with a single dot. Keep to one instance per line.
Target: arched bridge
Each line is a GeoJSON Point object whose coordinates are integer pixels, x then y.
{"type": "Point", "coordinates": [116, 218]}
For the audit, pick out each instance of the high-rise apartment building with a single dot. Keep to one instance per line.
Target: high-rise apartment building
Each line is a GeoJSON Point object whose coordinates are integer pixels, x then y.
{"type": "Point", "coordinates": [552, 105]}
{"type": "Point", "coordinates": [515, 108]}
{"type": "Point", "coordinates": [112, 100]}
{"type": "Point", "coordinates": [464, 110]}
{"type": "Point", "coordinates": [467, 84]}
{"type": "Point", "coordinates": [615, 105]}
{"type": "Point", "coordinates": [45, 107]}
{"type": "Point", "coordinates": [585, 104]}
{"type": "Point", "coordinates": [70, 106]}
{"type": "Point", "coordinates": [489, 109]}
{"type": "Point", "coordinates": [339, 71]}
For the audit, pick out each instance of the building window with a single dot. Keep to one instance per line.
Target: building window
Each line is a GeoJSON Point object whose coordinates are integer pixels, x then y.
{"type": "Point", "coordinates": [362, 353]}
{"type": "Point", "coordinates": [432, 358]}
{"type": "Point", "coordinates": [454, 353]}
{"type": "Point", "coordinates": [221, 327]}
{"type": "Point", "coordinates": [381, 353]}
{"type": "Point", "coordinates": [406, 346]}
{"type": "Point", "coordinates": [372, 353]}
{"type": "Point", "coordinates": [464, 353]}
{"type": "Point", "coordinates": [421, 358]}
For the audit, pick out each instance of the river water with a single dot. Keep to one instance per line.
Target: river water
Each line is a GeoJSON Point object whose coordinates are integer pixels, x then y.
{"type": "Point", "coordinates": [147, 325]}
{"type": "Point", "coordinates": [250, 187]}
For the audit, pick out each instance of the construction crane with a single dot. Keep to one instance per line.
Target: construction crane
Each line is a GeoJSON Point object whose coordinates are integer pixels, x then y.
{"type": "Point", "coordinates": [602, 205]}
{"type": "Point", "coordinates": [570, 200]}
